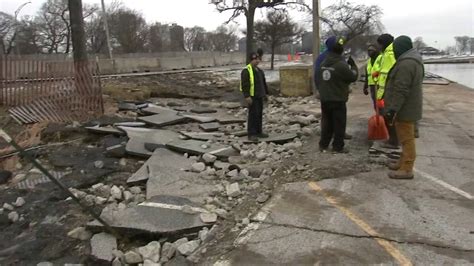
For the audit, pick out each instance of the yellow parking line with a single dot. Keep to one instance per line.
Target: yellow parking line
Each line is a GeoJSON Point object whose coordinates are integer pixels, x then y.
{"type": "Point", "coordinates": [391, 249]}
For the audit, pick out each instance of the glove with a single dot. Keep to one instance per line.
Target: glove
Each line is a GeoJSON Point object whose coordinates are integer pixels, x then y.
{"type": "Point", "coordinates": [249, 101]}
{"type": "Point", "coordinates": [366, 91]}
{"type": "Point", "coordinates": [380, 104]}
{"type": "Point", "coordinates": [390, 116]}
{"type": "Point", "coordinates": [350, 61]}
{"type": "Point", "coordinates": [375, 74]}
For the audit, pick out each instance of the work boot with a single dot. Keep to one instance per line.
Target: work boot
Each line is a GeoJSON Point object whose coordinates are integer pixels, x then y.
{"type": "Point", "coordinates": [387, 145]}
{"type": "Point", "coordinates": [253, 138]}
{"type": "Point", "coordinates": [323, 149]}
{"type": "Point", "coordinates": [262, 135]}
{"type": "Point", "coordinates": [347, 136]}
{"type": "Point", "coordinates": [394, 166]}
{"type": "Point", "coordinates": [343, 150]}
{"type": "Point", "coordinates": [400, 174]}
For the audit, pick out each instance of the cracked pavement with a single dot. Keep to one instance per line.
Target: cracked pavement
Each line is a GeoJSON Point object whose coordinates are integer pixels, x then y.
{"type": "Point", "coordinates": [425, 222]}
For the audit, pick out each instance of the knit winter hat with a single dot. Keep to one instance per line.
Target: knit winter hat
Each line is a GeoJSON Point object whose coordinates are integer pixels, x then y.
{"type": "Point", "coordinates": [335, 44]}
{"type": "Point", "coordinates": [385, 40]}
{"type": "Point", "coordinates": [401, 45]}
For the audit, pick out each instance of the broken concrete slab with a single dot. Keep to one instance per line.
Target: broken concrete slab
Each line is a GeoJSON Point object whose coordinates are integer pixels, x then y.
{"type": "Point", "coordinates": [102, 246]}
{"type": "Point", "coordinates": [155, 109]}
{"type": "Point", "coordinates": [127, 106]}
{"type": "Point", "coordinates": [200, 118]}
{"type": "Point", "coordinates": [196, 147]}
{"type": "Point", "coordinates": [161, 159]}
{"type": "Point", "coordinates": [203, 110]}
{"type": "Point", "coordinates": [205, 136]}
{"type": "Point", "coordinates": [130, 124]}
{"type": "Point", "coordinates": [164, 119]}
{"type": "Point", "coordinates": [227, 119]}
{"type": "Point", "coordinates": [209, 127]}
{"type": "Point", "coordinates": [159, 216]}
{"type": "Point", "coordinates": [139, 136]}
{"type": "Point", "coordinates": [105, 130]}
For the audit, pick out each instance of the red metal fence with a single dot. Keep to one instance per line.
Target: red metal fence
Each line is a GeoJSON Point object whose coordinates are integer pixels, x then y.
{"type": "Point", "coordinates": [50, 90]}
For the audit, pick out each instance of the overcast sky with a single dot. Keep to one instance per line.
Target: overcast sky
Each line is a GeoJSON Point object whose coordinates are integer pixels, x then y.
{"type": "Point", "coordinates": [437, 21]}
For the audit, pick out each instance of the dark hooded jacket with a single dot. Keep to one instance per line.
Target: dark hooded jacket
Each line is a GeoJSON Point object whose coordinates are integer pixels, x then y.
{"type": "Point", "coordinates": [335, 76]}
{"type": "Point", "coordinates": [403, 92]}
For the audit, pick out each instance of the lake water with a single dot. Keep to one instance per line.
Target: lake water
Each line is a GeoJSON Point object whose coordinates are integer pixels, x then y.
{"type": "Point", "coordinates": [460, 73]}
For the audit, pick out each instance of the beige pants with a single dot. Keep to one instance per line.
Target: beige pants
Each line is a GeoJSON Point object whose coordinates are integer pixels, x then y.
{"type": "Point", "coordinates": [406, 137]}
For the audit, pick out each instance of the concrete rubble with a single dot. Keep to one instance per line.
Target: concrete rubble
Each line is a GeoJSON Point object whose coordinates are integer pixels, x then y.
{"type": "Point", "coordinates": [187, 180]}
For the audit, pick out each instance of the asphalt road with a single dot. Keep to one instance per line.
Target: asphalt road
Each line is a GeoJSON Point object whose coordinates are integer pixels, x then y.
{"type": "Point", "coordinates": [370, 219]}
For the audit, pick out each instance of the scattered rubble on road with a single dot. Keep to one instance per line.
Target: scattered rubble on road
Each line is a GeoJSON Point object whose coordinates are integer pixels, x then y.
{"type": "Point", "coordinates": [154, 171]}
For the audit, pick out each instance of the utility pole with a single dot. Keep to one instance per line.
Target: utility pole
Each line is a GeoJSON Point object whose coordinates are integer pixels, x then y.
{"type": "Point", "coordinates": [316, 38]}
{"type": "Point", "coordinates": [106, 26]}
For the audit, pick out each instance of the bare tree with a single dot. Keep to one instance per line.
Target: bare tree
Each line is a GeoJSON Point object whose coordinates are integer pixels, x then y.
{"type": "Point", "coordinates": [192, 36]}
{"type": "Point", "coordinates": [129, 30]}
{"type": "Point", "coordinates": [8, 32]}
{"type": "Point", "coordinates": [27, 38]}
{"type": "Point", "coordinates": [223, 39]}
{"type": "Point", "coordinates": [248, 8]}
{"type": "Point", "coordinates": [419, 43]}
{"type": "Point", "coordinates": [94, 26]}
{"type": "Point", "coordinates": [462, 43]}
{"type": "Point", "coordinates": [278, 29]}
{"type": "Point", "coordinates": [351, 20]}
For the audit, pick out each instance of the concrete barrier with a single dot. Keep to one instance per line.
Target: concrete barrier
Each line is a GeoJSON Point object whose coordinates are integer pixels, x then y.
{"type": "Point", "coordinates": [224, 59]}
{"type": "Point", "coordinates": [127, 65]}
{"type": "Point", "coordinates": [171, 63]}
{"type": "Point", "coordinates": [198, 62]}
{"type": "Point", "coordinates": [295, 80]}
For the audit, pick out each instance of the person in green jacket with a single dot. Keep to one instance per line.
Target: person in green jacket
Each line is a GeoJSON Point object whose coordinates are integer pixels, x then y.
{"type": "Point", "coordinates": [334, 75]}
{"type": "Point", "coordinates": [404, 103]}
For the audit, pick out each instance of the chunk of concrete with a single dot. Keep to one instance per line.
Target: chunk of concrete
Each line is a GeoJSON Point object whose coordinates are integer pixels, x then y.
{"type": "Point", "coordinates": [155, 109]}
{"type": "Point", "coordinates": [161, 120]}
{"type": "Point", "coordinates": [209, 127]}
{"type": "Point", "coordinates": [196, 147]}
{"type": "Point", "coordinates": [102, 246]}
{"type": "Point", "coordinates": [225, 119]}
{"type": "Point", "coordinates": [151, 251]}
{"type": "Point", "coordinates": [139, 136]}
{"type": "Point", "coordinates": [161, 215]}
{"type": "Point", "coordinates": [127, 106]}
{"type": "Point", "coordinates": [162, 162]}
{"type": "Point", "coordinates": [200, 119]}
{"type": "Point", "coordinates": [105, 130]}
{"type": "Point", "coordinates": [188, 248]}
{"type": "Point", "coordinates": [205, 136]}
{"type": "Point", "coordinates": [130, 124]}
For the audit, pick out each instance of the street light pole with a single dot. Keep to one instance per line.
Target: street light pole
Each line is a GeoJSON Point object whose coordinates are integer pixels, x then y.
{"type": "Point", "coordinates": [316, 38]}
{"type": "Point", "coordinates": [106, 26]}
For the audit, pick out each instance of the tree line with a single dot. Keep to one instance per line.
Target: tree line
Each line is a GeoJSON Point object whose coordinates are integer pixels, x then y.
{"type": "Point", "coordinates": [49, 32]}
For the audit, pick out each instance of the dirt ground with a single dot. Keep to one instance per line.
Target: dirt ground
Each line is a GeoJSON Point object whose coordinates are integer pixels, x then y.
{"type": "Point", "coordinates": [47, 216]}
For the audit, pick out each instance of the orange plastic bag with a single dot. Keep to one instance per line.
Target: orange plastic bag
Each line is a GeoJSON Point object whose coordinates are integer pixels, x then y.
{"type": "Point", "coordinates": [377, 128]}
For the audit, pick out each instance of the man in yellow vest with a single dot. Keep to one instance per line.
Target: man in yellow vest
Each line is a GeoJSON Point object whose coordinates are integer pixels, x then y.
{"type": "Point", "coordinates": [373, 53]}
{"type": "Point", "coordinates": [382, 67]}
{"type": "Point", "coordinates": [254, 89]}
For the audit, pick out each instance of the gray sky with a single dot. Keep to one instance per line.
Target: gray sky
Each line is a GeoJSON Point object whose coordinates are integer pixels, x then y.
{"type": "Point", "coordinates": [437, 21]}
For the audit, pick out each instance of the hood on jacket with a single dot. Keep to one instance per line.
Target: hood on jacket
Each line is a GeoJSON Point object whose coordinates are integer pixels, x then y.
{"type": "Point", "coordinates": [401, 45]}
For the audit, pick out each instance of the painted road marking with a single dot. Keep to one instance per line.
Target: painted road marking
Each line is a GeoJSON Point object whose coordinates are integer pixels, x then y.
{"type": "Point", "coordinates": [391, 249]}
{"type": "Point", "coordinates": [445, 185]}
